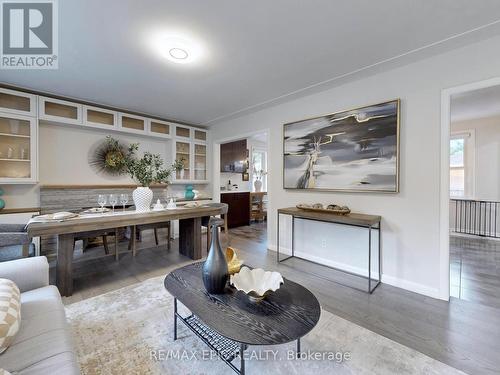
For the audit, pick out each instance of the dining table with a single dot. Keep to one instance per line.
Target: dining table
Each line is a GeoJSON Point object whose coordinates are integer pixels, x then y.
{"type": "Point", "coordinates": [190, 232]}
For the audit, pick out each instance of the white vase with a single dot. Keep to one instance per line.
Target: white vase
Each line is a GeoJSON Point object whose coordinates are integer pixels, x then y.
{"type": "Point", "coordinates": [257, 184]}
{"type": "Point", "coordinates": [143, 196]}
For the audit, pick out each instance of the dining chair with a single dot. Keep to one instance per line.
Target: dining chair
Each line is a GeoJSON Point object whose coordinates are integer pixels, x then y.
{"type": "Point", "coordinates": [15, 242]}
{"type": "Point", "coordinates": [85, 236]}
{"type": "Point", "coordinates": [136, 234]}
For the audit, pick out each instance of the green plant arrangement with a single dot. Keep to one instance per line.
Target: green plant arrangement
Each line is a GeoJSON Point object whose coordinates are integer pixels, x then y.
{"type": "Point", "coordinates": [148, 169]}
{"type": "Point", "coordinates": [110, 157]}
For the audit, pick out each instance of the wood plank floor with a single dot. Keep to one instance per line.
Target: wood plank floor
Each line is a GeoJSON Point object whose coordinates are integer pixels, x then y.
{"type": "Point", "coordinates": [475, 270]}
{"type": "Point", "coordinates": [462, 334]}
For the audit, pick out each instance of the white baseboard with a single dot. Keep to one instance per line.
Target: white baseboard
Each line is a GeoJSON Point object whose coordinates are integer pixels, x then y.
{"type": "Point", "coordinates": [341, 266]}
{"type": "Point", "coordinates": [411, 286]}
{"type": "Point", "coordinates": [386, 279]}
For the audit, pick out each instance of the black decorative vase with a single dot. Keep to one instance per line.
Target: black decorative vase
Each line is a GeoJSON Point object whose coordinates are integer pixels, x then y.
{"type": "Point", "coordinates": [215, 272]}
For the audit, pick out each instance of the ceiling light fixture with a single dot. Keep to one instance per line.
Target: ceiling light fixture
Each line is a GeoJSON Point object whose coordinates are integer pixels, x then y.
{"type": "Point", "coordinates": [176, 47]}
{"type": "Point", "coordinates": [178, 53]}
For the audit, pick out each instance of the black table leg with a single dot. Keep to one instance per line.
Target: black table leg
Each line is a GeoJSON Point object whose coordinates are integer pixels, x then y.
{"type": "Point", "coordinates": [370, 259]}
{"type": "Point", "coordinates": [175, 319]}
{"type": "Point", "coordinates": [242, 359]}
{"type": "Point", "coordinates": [298, 347]}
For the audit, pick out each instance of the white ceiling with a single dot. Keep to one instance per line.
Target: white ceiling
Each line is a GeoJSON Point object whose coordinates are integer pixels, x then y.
{"type": "Point", "coordinates": [256, 52]}
{"type": "Point", "coordinates": [476, 104]}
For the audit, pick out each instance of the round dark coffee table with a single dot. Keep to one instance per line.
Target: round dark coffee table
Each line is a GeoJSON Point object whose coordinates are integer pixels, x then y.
{"type": "Point", "coordinates": [229, 322]}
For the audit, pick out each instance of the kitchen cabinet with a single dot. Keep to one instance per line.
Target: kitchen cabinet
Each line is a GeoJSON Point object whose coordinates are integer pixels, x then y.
{"type": "Point", "coordinates": [234, 157]}
{"type": "Point", "coordinates": [239, 208]}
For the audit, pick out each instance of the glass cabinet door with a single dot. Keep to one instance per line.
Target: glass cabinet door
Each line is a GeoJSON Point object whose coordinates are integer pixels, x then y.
{"type": "Point", "coordinates": [16, 148]}
{"type": "Point", "coordinates": [200, 135]}
{"type": "Point", "coordinates": [200, 162]}
{"type": "Point", "coordinates": [159, 128]}
{"type": "Point", "coordinates": [17, 102]}
{"type": "Point", "coordinates": [132, 123]}
{"type": "Point", "coordinates": [182, 132]}
{"type": "Point", "coordinates": [60, 110]}
{"type": "Point", "coordinates": [183, 153]}
{"type": "Point", "coordinates": [99, 117]}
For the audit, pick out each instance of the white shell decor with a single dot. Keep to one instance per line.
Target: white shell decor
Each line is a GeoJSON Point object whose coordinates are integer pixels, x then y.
{"type": "Point", "coordinates": [256, 283]}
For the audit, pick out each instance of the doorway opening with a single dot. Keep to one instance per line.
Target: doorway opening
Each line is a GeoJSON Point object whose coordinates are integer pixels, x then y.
{"type": "Point", "coordinates": [474, 195]}
{"type": "Point", "coordinates": [241, 181]}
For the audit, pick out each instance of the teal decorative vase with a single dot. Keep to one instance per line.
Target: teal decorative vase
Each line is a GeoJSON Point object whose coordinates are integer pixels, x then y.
{"type": "Point", "coordinates": [189, 194]}
{"type": "Point", "coordinates": [2, 202]}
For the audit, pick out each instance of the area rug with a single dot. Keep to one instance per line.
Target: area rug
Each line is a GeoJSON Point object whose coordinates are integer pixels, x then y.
{"type": "Point", "coordinates": [129, 331]}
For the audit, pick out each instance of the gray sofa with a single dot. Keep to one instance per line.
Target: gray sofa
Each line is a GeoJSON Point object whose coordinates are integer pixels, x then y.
{"type": "Point", "coordinates": [43, 345]}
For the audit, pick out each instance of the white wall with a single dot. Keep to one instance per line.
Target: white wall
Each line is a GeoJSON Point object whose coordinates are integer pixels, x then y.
{"type": "Point", "coordinates": [63, 160]}
{"type": "Point", "coordinates": [487, 155]}
{"type": "Point", "coordinates": [410, 237]}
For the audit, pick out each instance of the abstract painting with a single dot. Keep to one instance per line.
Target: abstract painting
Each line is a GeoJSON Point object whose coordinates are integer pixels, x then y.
{"type": "Point", "coordinates": [354, 150]}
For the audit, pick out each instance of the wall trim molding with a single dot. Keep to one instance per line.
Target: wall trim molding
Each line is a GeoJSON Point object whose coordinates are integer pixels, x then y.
{"type": "Point", "coordinates": [411, 286]}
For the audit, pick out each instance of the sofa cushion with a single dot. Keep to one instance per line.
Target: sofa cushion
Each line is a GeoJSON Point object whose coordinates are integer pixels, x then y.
{"type": "Point", "coordinates": [43, 344]}
{"type": "Point", "coordinates": [10, 312]}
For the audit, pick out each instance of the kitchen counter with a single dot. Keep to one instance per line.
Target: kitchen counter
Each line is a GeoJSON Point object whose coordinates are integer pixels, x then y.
{"type": "Point", "coordinates": [238, 207]}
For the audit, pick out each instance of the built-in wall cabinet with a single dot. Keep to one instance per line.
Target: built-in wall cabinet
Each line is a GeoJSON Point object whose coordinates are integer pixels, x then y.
{"type": "Point", "coordinates": [100, 117]}
{"type": "Point", "coordinates": [190, 147]}
{"type": "Point", "coordinates": [59, 110]}
{"type": "Point", "coordinates": [21, 112]}
{"type": "Point", "coordinates": [18, 103]}
{"type": "Point", "coordinates": [18, 149]}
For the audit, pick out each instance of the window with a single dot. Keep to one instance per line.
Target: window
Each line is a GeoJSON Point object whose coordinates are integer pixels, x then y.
{"type": "Point", "coordinates": [461, 165]}
{"type": "Point", "coordinates": [259, 168]}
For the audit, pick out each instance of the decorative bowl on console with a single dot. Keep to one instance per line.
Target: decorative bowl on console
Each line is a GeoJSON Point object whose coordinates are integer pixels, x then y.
{"type": "Point", "coordinates": [331, 208]}
{"type": "Point", "coordinates": [256, 283]}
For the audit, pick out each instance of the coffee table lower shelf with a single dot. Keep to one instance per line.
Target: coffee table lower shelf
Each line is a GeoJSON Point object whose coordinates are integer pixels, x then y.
{"type": "Point", "coordinates": [226, 349]}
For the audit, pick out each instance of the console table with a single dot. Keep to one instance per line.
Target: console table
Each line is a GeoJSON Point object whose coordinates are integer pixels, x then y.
{"type": "Point", "coordinates": [370, 222]}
